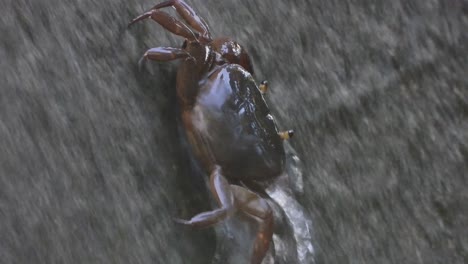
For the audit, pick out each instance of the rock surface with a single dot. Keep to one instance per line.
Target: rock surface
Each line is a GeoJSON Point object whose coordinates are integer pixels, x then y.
{"type": "Point", "coordinates": [92, 168]}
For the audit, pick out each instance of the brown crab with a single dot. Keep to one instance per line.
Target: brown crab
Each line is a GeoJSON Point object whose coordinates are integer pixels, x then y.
{"type": "Point", "coordinates": [227, 122]}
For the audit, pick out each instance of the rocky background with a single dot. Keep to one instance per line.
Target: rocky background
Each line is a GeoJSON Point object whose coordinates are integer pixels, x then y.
{"type": "Point", "coordinates": [92, 169]}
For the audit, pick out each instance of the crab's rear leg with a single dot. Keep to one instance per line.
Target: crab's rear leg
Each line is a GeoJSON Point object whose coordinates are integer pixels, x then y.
{"type": "Point", "coordinates": [222, 192]}
{"type": "Point", "coordinates": [256, 207]}
{"type": "Point", "coordinates": [232, 198]}
{"type": "Point", "coordinates": [168, 22]}
{"type": "Point", "coordinates": [187, 13]}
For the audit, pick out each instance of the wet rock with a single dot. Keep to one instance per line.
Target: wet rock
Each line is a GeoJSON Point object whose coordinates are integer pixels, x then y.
{"type": "Point", "coordinates": [92, 168]}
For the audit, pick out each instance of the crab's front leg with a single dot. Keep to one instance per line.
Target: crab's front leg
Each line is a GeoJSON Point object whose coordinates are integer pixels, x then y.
{"type": "Point", "coordinates": [187, 13]}
{"type": "Point", "coordinates": [175, 26]}
{"type": "Point", "coordinates": [168, 22]}
{"type": "Point", "coordinates": [166, 54]}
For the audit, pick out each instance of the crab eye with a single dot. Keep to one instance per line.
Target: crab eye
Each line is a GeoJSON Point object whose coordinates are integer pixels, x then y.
{"type": "Point", "coordinates": [184, 45]}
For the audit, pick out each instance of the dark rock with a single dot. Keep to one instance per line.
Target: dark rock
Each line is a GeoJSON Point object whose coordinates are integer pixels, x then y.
{"type": "Point", "coordinates": [91, 165]}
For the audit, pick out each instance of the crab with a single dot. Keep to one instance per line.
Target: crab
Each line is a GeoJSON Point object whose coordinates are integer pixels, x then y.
{"type": "Point", "coordinates": [226, 120]}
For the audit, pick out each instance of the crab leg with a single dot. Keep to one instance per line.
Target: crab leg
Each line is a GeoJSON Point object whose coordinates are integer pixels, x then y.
{"type": "Point", "coordinates": [221, 190]}
{"type": "Point", "coordinates": [187, 13]}
{"type": "Point", "coordinates": [256, 207]}
{"type": "Point", "coordinates": [232, 198]}
{"type": "Point", "coordinates": [168, 22]}
{"type": "Point", "coordinates": [166, 54]}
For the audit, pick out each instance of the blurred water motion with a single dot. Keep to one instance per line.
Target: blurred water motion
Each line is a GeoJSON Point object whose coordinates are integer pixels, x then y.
{"type": "Point", "coordinates": [284, 192]}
